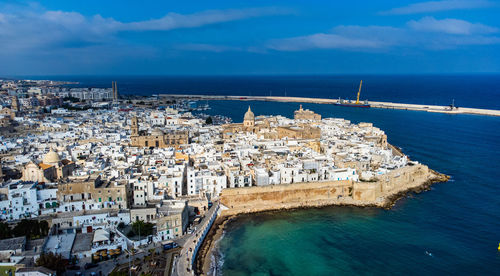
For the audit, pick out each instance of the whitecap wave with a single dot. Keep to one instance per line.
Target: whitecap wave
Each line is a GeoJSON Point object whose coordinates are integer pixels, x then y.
{"type": "Point", "coordinates": [216, 258]}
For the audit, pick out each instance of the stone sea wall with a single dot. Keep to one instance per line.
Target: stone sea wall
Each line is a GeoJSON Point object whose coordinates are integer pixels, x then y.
{"type": "Point", "coordinates": [380, 193]}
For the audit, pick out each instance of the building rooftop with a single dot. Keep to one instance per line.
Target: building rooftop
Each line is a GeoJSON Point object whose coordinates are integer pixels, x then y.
{"type": "Point", "coordinates": [13, 244]}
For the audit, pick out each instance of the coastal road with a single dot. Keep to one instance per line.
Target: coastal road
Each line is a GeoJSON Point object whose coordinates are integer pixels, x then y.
{"type": "Point", "coordinates": [182, 264]}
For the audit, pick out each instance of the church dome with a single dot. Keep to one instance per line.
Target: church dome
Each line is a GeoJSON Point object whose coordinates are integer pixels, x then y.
{"type": "Point", "coordinates": [51, 157]}
{"type": "Point", "coordinates": [249, 116]}
{"type": "Point", "coordinates": [156, 132]}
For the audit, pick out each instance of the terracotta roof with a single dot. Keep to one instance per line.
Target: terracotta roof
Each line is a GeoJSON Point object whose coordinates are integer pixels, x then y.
{"type": "Point", "coordinates": [45, 166]}
{"type": "Point", "coordinates": [66, 162]}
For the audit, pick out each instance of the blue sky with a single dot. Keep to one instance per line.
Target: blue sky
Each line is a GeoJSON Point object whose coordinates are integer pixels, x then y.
{"type": "Point", "coordinates": [60, 37]}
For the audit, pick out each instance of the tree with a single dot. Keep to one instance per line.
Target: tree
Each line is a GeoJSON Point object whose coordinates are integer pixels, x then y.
{"type": "Point", "coordinates": [53, 261]}
{"type": "Point", "coordinates": [121, 225]}
{"type": "Point", "coordinates": [209, 120]}
{"type": "Point", "coordinates": [5, 231]}
{"type": "Point", "coordinates": [142, 228]}
{"type": "Point", "coordinates": [31, 229]}
{"type": "Point", "coordinates": [23, 228]}
{"type": "Point", "coordinates": [44, 228]}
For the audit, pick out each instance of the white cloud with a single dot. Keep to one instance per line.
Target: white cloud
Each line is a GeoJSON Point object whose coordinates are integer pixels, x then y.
{"type": "Point", "coordinates": [33, 39]}
{"type": "Point", "coordinates": [450, 26]}
{"type": "Point", "coordinates": [437, 6]}
{"type": "Point", "coordinates": [202, 47]}
{"type": "Point", "coordinates": [28, 29]}
{"type": "Point", "coordinates": [426, 33]}
{"type": "Point", "coordinates": [323, 41]}
{"type": "Point", "coordinates": [177, 21]}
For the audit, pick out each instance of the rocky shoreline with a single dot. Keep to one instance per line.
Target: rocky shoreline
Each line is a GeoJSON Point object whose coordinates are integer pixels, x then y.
{"type": "Point", "coordinates": [204, 256]}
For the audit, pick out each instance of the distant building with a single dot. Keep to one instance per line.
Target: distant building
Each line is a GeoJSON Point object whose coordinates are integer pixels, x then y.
{"type": "Point", "coordinates": [94, 194]}
{"type": "Point", "coordinates": [8, 113]}
{"type": "Point", "coordinates": [302, 131]}
{"type": "Point", "coordinates": [35, 271]}
{"type": "Point", "coordinates": [299, 132]}
{"type": "Point", "coordinates": [172, 219]}
{"type": "Point", "coordinates": [50, 169]}
{"type": "Point", "coordinates": [15, 104]}
{"type": "Point", "coordinates": [248, 124]}
{"type": "Point", "coordinates": [306, 114]}
{"type": "Point", "coordinates": [19, 200]}
{"type": "Point", "coordinates": [157, 138]}
{"type": "Point", "coordinates": [249, 119]}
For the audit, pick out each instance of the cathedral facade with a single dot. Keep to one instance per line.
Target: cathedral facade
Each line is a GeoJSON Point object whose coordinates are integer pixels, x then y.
{"type": "Point", "coordinates": [51, 168]}
{"type": "Point", "coordinates": [298, 131]}
{"type": "Point", "coordinates": [156, 138]}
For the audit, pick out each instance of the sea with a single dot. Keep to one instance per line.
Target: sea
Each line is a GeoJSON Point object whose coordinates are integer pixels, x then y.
{"type": "Point", "coordinates": [453, 229]}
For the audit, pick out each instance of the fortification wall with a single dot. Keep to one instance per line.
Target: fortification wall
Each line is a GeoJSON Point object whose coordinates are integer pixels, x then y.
{"type": "Point", "coordinates": [316, 194]}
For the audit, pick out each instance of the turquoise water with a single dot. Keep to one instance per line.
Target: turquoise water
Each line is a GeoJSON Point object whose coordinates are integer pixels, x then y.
{"type": "Point", "coordinates": [457, 223]}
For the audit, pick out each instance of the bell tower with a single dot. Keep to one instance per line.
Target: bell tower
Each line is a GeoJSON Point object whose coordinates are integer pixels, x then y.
{"type": "Point", "coordinates": [134, 127]}
{"type": "Point", "coordinates": [15, 103]}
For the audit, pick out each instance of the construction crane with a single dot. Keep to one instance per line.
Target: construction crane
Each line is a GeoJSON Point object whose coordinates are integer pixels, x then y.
{"type": "Point", "coordinates": [359, 91]}
{"type": "Point", "coordinates": [341, 102]}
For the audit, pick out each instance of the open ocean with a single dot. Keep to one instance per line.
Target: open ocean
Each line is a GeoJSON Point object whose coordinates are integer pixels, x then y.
{"type": "Point", "coordinates": [479, 91]}
{"type": "Point", "coordinates": [454, 229]}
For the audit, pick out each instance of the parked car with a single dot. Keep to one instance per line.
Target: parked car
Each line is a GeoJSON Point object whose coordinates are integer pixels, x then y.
{"type": "Point", "coordinates": [170, 245]}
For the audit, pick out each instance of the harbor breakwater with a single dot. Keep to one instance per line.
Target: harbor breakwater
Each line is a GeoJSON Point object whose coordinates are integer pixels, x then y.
{"type": "Point", "coordinates": [373, 104]}
{"type": "Point", "coordinates": [383, 193]}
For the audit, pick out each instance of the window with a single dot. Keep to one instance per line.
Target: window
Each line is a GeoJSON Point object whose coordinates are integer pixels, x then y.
{"type": "Point", "coordinates": [99, 199]}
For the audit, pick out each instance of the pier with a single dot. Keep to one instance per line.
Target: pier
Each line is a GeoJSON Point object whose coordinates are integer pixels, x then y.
{"type": "Point", "coordinates": [386, 105]}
